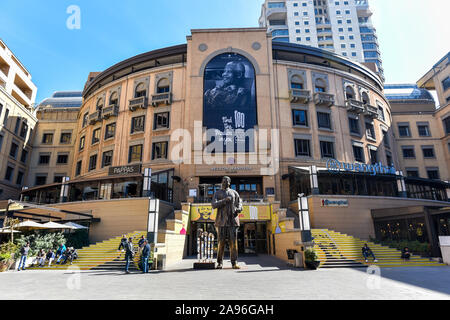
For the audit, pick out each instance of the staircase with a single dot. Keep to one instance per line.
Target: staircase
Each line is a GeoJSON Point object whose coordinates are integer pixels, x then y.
{"type": "Point", "coordinates": [337, 250]}
{"type": "Point", "coordinates": [101, 256]}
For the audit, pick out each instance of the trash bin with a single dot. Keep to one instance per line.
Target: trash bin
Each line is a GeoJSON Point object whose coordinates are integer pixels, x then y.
{"type": "Point", "coordinates": [161, 262]}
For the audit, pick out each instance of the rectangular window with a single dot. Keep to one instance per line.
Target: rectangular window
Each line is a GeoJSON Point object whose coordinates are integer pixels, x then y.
{"type": "Point", "coordinates": [386, 139]}
{"type": "Point", "coordinates": [1, 143]}
{"type": "Point", "coordinates": [159, 150]}
{"type": "Point", "coordinates": [85, 119]}
{"type": "Point", "coordinates": [107, 158]}
{"type": "Point", "coordinates": [433, 173]}
{"type": "Point", "coordinates": [65, 138]}
{"type": "Point", "coordinates": [47, 138]}
{"type": "Point", "coordinates": [373, 156]}
{"type": "Point", "coordinates": [5, 119]}
{"type": "Point", "coordinates": [424, 130]}
{"type": "Point", "coordinates": [403, 130]}
{"type": "Point", "coordinates": [9, 173]}
{"type": "Point", "coordinates": [16, 128]}
{"type": "Point", "coordinates": [82, 141]}
{"type": "Point", "coordinates": [446, 83]}
{"type": "Point", "coordinates": [92, 162]}
{"type": "Point", "coordinates": [41, 180]}
{"type": "Point", "coordinates": [13, 150]}
{"type": "Point", "coordinates": [137, 124]}
{"type": "Point", "coordinates": [354, 126]}
{"type": "Point", "coordinates": [358, 152]}
{"type": "Point", "coordinates": [19, 179]}
{"type": "Point", "coordinates": [78, 168]}
{"type": "Point", "coordinates": [300, 118]}
{"type": "Point", "coordinates": [446, 123]}
{"type": "Point", "coordinates": [62, 159]}
{"type": "Point", "coordinates": [324, 120]}
{"type": "Point", "coordinates": [96, 136]}
{"type": "Point", "coordinates": [327, 149]}
{"type": "Point", "coordinates": [370, 131]}
{"type": "Point", "coordinates": [161, 120]}
{"type": "Point", "coordinates": [44, 159]}
{"type": "Point", "coordinates": [389, 159]}
{"type": "Point", "coordinates": [302, 148]}
{"type": "Point", "coordinates": [135, 153]}
{"type": "Point", "coordinates": [23, 130]}
{"type": "Point", "coordinates": [58, 178]}
{"type": "Point", "coordinates": [408, 152]}
{"type": "Point", "coordinates": [428, 152]}
{"type": "Point", "coordinates": [24, 156]}
{"type": "Point", "coordinates": [412, 172]}
{"type": "Point", "coordinates": [110, 131]}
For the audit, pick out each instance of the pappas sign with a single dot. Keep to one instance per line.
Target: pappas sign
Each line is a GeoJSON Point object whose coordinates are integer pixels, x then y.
{"type": "Point", "coordinates": [229, 103]}
{"type": "Point", "coordinates": [125, 170]}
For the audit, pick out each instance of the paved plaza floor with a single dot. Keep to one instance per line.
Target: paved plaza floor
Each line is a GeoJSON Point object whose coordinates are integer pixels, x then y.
{"type": "Point", "coordinates": [261, 277]}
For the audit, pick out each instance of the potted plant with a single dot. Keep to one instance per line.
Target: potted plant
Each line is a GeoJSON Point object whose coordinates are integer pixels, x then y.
{"type": "Point", "coordinates": [311, 259]}
{"type": "Point", "coordinates": [7, 255]}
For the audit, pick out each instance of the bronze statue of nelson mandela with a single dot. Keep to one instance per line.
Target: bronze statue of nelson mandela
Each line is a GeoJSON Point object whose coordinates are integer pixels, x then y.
{"type": "Point", "coordinates": [228, 205]}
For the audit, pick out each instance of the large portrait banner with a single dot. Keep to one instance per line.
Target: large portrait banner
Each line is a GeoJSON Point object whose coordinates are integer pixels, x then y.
{"type": "Point", "coordinates": [229, 103]}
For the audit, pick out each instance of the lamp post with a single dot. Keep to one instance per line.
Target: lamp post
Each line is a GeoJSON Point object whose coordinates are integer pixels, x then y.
{"type": "Point", "coordinates": [303, 212]}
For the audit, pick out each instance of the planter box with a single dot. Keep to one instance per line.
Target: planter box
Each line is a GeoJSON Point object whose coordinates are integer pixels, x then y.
{"type": "Point", "coordinates": [312, 265]}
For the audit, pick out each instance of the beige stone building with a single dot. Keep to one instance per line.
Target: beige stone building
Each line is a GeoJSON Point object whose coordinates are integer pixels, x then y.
{"type": "Point", "coordinates": [17, 121]}
{"type": "Point", "coordinates": [296, 119]}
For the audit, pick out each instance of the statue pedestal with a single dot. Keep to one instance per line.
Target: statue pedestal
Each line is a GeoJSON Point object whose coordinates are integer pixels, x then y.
{"type": "Point", "coordinates": [204, 265]}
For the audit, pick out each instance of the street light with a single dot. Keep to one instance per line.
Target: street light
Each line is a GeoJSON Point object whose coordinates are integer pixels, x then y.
{"type": "Point", "coordinates": [303, 212]}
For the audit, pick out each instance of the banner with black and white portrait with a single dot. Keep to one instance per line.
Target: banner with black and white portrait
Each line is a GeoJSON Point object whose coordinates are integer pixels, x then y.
{"type": "Point", "coordinates": [229, 102]}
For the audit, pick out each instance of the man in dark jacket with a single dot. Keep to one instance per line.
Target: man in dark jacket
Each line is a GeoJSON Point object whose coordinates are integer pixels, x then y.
{"type": "Point", "coordinates": [123, 242]}
{"type": "Point", "coordinates": [129, 254]}
{"type": "Point", "coordinates": [24, 254]}
{"type": "Point", "coordinates": [366, 251]}
{"type": "Point", "coordinates": [145, 255]}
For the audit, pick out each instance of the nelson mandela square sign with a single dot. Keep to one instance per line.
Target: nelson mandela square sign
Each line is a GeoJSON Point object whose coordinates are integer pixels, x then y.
{"type": "Point", "coordinates": [229, 103]}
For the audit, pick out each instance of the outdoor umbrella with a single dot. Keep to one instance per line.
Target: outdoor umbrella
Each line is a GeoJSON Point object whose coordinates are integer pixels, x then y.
{"type": "Point", "coordinates": [75, 226]}
{"type": "Point", "coordinates": [8, 230]}
{"type": "Point", "coordinates": [29, 225]}
{"type": "Point", "coordinates": [54, 225]}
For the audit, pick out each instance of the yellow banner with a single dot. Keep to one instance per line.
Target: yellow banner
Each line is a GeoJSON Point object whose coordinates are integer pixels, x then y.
{"type": "Point", "coordinates": [205, 213]}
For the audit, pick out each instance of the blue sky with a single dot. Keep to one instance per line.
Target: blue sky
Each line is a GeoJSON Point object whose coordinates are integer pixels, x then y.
{"type": "Point", "coordinates": [413, 34]}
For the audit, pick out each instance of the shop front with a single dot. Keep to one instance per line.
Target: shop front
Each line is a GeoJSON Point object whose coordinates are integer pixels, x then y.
{"type": "Point", "coordinates": [252, 233]}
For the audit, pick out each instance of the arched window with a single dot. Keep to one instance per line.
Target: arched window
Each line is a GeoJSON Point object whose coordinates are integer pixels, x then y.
{"type": "Point", "coordinates": [99, 104]}
{"type": "Point", "coordinates": [365, 98]}
{"type": "Point", "coordinates": [140, 91]}
{"type": "Point", "coordinates": [163, 86]}
{"type": "Point", "coordinates": [320, 85]}
{"type": "Point", "coordinates": [114, 99]}
{"type": "Point", "coordinates": [349, 93]}
{"type": "Point", "coordinates": [296, 82]}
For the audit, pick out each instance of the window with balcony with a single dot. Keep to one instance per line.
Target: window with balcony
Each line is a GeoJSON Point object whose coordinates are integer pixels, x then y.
{"type": "Point", "coordinates": [99, 105]}
{"type": "Point", "coordinates": [327, 149]}
{"type": "Point", "coordinates": [358, 153]}
{"type": "Point", "coordinates": [137, 124]}
{"type": "Point", "coordinates": [135, 153]}
{"type": "Point", "coordinates": [96, 136]}
{"type": "Point", "coordinates": [349, 93]}
{"type": "Point", "coordinates": [324, 120]}
{"type": "Point", "coordinates": [300, 118]}
{"type": "Point", "coordinates": [296, 82]}
{"type": "Point", "coordinates": [163, 86]}
{"type": "Point", "coordinates": [320, 85]}
{"type": "Point", "coordinates": [114, 99]}
{"type": "Point", "coordinates": [92, 162]}
{"type": "Point", "coordinates": [302, 148]}
{"type": "Point", "coordinates": [365, 97]}
{"type": "Point", "coordinates": [47, 138]}
{"type": "Point", "coordinates": [107, 158]}
{"type": "Point", "coordinates": [161, 120]}
{"type": "Point", "coordinates": [159, 150]}
{"type": "Point", "coordinates": [62, 159]}
{"type": "Point", "coordinates": [66, 138]}
{"type": "Point", "coordinates": [140, 91]}
{"type": "Point", "coordinates": [110, 130]}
